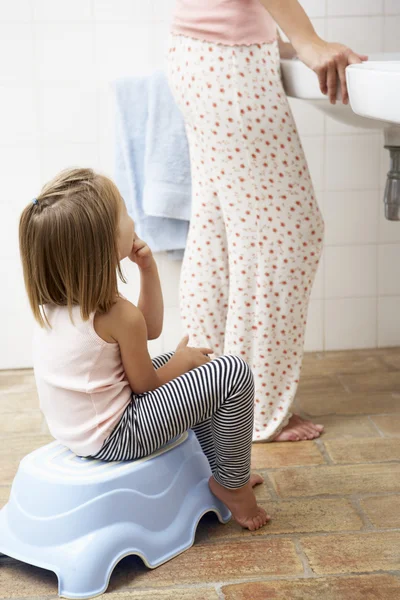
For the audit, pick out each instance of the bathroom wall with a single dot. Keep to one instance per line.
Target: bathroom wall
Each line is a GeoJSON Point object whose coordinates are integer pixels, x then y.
{"type": "Point", "coordinates": [57, 59]}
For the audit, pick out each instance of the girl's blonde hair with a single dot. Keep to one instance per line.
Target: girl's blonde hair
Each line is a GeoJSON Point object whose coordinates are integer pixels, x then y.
{"type": "Point", "coordinates": [68, 244]}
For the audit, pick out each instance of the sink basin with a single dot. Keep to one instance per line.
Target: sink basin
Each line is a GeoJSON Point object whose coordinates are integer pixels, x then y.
{"type": "Point", "coordinates": [374, 90]}
{"type": "Point", "coordinates": [301, 82]}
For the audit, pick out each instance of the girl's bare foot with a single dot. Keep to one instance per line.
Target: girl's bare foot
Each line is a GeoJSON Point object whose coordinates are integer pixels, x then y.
{"type": "Point", "coordinates": [242, 503]}
{"type": "Point", "coordinates": [256, 479]}
{"type": "Point", "coordinates": [298, 429]}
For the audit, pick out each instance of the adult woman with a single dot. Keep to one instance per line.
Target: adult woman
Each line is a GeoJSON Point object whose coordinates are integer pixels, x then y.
{"type": "Point", "coordinates": [256, 231]}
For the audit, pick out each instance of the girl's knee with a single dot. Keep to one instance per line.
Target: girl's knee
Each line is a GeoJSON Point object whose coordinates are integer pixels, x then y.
{"type": "Point", "coordinates": [240, 368]}
{"type": "Point", "coordinates": [243, 366]}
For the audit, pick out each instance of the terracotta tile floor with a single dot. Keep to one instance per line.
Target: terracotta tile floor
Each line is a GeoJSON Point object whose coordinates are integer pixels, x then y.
{"type": "Point", "coordinates": [335, 533]}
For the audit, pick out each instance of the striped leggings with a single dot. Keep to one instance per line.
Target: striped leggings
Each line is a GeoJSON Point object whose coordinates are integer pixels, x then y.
{"type": "Point", "coordinates": [216, 400]}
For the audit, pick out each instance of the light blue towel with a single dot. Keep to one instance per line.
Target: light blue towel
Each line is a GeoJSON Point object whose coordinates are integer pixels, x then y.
{"type": "Point", "coordinates": [152, 162]}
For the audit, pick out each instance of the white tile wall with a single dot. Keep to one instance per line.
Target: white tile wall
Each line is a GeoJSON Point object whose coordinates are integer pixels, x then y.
{"type": "Point", "coordinates": [163, 10]}
{"type": "Point", "coordinates": [362, 34]}
{"type": "Point", "coordinates": [353, 162]}
{"type": "Point", "coordinates": [388, 321]}
{"type": "Point", "coordinates": [17, 322]}
{"type": "Point", "coordinates": [55, 159]}
{"type": "Point", "coordinates": [388, 231]}
{"type": "Point", "coordinates": [389, 270]}
{"type": "Point", "coordinates": [392, 7]}
{"type": "Point", "coordinates": [57, 59]}
{"type": "Point", "coordinates": [391, 33]}
{"type": "Point", "coordinates": [314, 150]}
{"type": "Point", "coordinates": [20, 11]}
{"type": "Point", "coordinates": [114, 46]}
{"type": "Point", "coordinates": [18, 115]}
{"type": "Point", "coordinates": [67, 113]}
{"type": "Point", "coordinates": [17, 187]}
{"type": "Point", "coordinates": [317, 292]}
{"type": "Point", "coordinates": [16, 57]}
{"type": "Point", "coordinates": [350, 271]}
{"type": "Point", "coordinates": [310, 121]}
{"type": "Point", "coordinates": [173, 328]}
{"type": "Point", "coordinates": [335, 127]}
{"type": "Point", "coordinates": [60, 11]}
{"type": "Point", "coordinates": [123, 10]}
{"type": "Point", "coordinates": [314, 8]}
{"type": "Point", "coordinates": [319, 26]}
{"type": "Point", "coordinates": [354, 7]}
{"type": "Point", "coordinates": [314, 339]}
{"type": "Point", "coordinates": [351, 217]}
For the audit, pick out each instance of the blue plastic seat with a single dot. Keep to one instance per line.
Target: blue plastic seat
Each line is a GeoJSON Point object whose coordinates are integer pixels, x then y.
{"type": "Point", "coordinates": [78, 517]}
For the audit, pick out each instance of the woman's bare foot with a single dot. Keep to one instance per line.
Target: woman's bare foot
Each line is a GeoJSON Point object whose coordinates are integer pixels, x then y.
{"type": "Point", "coordinates": [242, 503]}
{"type": "Point", "coordinates": [298, 429]}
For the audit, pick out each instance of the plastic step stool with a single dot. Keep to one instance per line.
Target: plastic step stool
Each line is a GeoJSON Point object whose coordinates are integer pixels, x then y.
{"type": "Point", "coordinates": [79, 517]}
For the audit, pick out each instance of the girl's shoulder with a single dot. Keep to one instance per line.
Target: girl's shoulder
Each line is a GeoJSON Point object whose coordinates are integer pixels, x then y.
{"type": "Point", "coordinates": [120, 314]}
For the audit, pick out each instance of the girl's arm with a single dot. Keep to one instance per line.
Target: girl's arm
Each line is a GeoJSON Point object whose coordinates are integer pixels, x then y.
{"type": "Point", "coordinates": [150, 300]}
{"type": "Point", "coordinates": [328, 60]}
{"type": "Point", "coordinates": [126, 325]}
{"type": "Point", "coordinates": [130, 331]}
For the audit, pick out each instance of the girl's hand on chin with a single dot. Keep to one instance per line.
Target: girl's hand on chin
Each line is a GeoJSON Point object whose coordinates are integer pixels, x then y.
{"type": "Point", "coordinates": [141, 254]}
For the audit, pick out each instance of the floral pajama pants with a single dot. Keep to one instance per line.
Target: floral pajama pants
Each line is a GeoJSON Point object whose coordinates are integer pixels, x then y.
{"type": "Point", "coordinates": [256, 232]}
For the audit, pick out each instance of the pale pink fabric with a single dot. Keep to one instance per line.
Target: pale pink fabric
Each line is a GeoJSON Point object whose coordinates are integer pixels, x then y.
{"type": "Point", "coordinates": [81, 382]}
{"type": "Point", "coordinates": [230, 22]}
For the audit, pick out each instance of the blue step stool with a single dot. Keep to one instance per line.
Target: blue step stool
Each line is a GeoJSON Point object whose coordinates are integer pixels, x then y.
{"type": "Point", "coordinates": [79, 517]}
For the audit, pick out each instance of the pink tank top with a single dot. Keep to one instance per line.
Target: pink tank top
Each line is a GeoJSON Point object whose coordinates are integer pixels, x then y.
{"type": "Point", "coordinates": [230, 22]}
{"type": "Point", "coordinates": [81, 382]}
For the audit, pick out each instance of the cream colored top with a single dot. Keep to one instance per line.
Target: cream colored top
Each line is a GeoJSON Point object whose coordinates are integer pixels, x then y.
{"type": "Point", "coordinates": [230, 22]}
{"type": "Point", "coordinates": [81, 382]}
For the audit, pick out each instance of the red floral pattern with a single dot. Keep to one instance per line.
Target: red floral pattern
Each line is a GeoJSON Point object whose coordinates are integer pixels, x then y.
{"type": "Point", "coordinates": [256, 232]}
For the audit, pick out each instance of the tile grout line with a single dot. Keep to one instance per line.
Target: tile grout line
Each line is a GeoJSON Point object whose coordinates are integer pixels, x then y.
{"type": "Point", "coordinates": [267, 579]}
{"type": "Point", "coordinates": [345, 387]}
{"type": "Point", "coordinates": [303, 558]}
{"type": "Point", "coordinates": [375, 426]}
{"type": "Point", "coordinates": [217, 586]}
{"type": "Point", "coordinates": [267, 470]}
{"type": "Point", "coordinates": [248, 580]}
{"type": "Point", "coordinates": [336, 414]}
{"type": "Point", "coordinates": [355, 502]}
{"type": "Point", "coordinates": [338, 496]}
{"type": "Point", "coordinates": [270, 486]}
{"type": "Point", "coordinates": [324, 452]}
{"type": "Point", "coordinates": [265, 537]}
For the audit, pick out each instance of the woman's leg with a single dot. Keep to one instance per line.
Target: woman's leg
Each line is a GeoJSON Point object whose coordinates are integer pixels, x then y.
{"type": "Point", "coordinates": [204, 281]}
{"type": "Point", "coordinates": [235, 104]}
{"type": "Point", "coordinates": [221, 391]}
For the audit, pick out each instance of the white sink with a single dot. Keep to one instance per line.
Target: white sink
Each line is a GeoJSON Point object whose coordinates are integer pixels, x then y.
{"type": "Point", "coordinates": [374, 90]}
{"type": "Point", "coordinates": [301, 82]}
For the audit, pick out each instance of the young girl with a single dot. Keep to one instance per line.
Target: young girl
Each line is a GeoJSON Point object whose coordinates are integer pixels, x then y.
{"type": "Point", "coordinates": [101, 394]}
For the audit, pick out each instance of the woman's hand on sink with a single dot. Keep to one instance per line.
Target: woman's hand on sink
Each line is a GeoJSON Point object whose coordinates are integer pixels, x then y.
{"type": "Point", "coordinates": [329, 61]}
